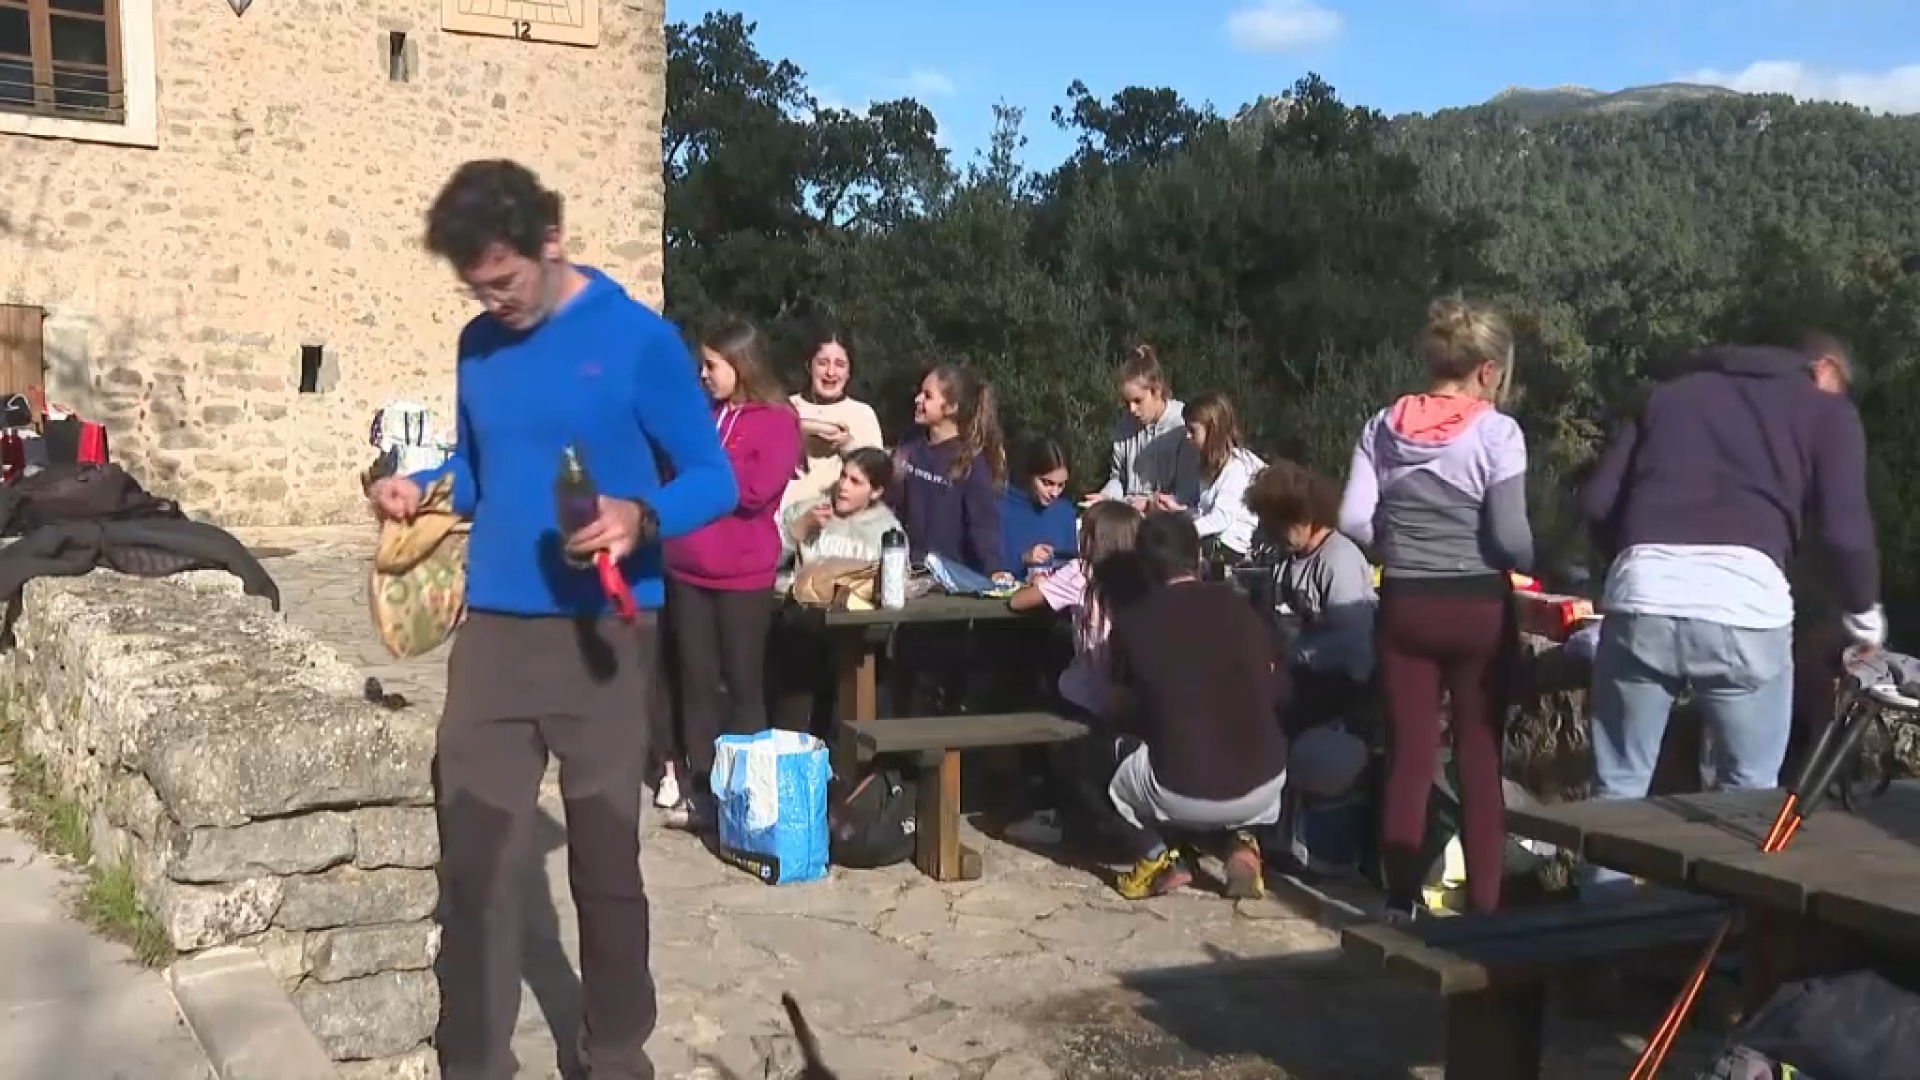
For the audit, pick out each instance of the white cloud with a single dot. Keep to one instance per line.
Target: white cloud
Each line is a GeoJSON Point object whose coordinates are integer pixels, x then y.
{"type": "Point", "coordinates": [926, 83]}
{"type": "Point", "coordinates": [1895, 90]}
{"type": "Point", "coordinates": [1279, 25]}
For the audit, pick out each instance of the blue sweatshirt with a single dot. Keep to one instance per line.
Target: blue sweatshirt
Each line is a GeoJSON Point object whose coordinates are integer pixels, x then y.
{"type": "Point", "coordinates": [1024, 523]}
{"type": "Point", "coordinates": [958, 519]}
{"type": "Point", "coordinates": [611, 377]}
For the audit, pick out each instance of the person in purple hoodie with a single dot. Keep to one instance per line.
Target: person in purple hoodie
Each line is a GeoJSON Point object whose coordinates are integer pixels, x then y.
{"type": "Point", "coordinates": [1702, 497]}
{"type": "Point", "coordinates": [947, 480]}
{"type": "Point", "coordinates": [1438, 491]}
{"type": "Point", "coordinates": [720, 578]}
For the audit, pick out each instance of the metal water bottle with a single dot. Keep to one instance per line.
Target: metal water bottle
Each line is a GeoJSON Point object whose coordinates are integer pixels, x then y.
{"type": "Point", "coordinates": [577, 500]}
{"type": "Point", "coordinates": [893, 570]}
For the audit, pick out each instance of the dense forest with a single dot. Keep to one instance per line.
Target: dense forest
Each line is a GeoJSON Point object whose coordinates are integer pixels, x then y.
{"type": "Point", "coordinates": [1286, 253]}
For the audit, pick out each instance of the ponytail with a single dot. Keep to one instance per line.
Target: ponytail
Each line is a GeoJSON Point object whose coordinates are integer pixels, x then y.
{"type": "Point", "coordinates": [978, 420]}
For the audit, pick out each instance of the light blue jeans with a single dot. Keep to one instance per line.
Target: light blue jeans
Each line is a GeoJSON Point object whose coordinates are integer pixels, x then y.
{"type": "Point", "coordinates": [1742, 681]}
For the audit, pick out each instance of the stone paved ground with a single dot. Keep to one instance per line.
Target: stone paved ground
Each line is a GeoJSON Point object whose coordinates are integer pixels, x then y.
{"type": "Point", "coordinates": [72, 1006]}
{"type": "Point", "coordinates": [1031, 973]}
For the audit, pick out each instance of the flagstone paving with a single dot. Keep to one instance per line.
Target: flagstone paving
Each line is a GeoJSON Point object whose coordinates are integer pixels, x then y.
{"type": "Point", "coordinates": [1023, 975]}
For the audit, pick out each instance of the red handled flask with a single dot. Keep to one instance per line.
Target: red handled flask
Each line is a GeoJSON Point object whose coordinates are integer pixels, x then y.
{"type": "Point", "coordinates": [578, 502]}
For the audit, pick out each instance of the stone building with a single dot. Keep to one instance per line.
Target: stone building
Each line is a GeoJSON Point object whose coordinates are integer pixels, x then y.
{"type": "Point", "coordinates": [211, 220]}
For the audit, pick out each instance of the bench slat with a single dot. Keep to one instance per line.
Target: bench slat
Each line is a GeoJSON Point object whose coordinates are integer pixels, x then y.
{"type": "Point", "coordinates": [1458, 955]}
{"type": "Point", "coordinates": [1518, 960]}
{"type": "Point", "coordinates": [1546, 919]}
{"type": "Point", "coordinates": [907, 734]}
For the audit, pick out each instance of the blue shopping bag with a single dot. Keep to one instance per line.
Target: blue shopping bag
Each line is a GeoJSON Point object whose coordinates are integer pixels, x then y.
{"type": "Point", "coordinates": [771, 790]}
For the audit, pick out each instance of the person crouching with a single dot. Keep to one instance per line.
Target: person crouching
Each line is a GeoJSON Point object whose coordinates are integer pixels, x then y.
{"type": "Point", "coordinates": [1195, 691]}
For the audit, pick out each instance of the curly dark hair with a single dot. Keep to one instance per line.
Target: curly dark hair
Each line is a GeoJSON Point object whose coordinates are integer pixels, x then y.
{"type": "Point", "coordinates": [487, 203]}
{"type": "Point", "coordinates": [1287, 493]}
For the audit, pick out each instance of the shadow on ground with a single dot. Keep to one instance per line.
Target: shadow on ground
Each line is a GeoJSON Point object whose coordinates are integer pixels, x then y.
{"type": "Point", "coordinates": [1310, 1017]}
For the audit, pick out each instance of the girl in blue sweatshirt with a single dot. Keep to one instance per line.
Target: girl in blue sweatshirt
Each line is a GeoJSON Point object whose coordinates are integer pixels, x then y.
{"type": "Point", "coordinates": [1036, 519]}
{"type": "Point", "coordinates": [947, 480]}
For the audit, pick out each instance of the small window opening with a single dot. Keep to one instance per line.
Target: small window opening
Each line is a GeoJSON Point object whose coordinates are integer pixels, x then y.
{"type": "Point", "coordinates": [312, 357]}
{"type": "Point", "coordinates": [398, 69]}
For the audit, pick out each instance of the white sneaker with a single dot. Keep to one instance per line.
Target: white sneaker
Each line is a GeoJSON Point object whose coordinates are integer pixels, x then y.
{"type": "Point", "coordinates": [666, 793]}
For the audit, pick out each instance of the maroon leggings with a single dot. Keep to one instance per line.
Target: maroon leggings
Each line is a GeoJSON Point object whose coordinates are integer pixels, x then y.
{"type": "Point", "coordinates": [1462, 644]}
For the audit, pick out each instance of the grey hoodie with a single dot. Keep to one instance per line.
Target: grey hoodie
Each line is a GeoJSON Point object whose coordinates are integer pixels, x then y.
{"type": "Point", "coordinates": [855, 537]}
{"type": "Point", "coordinates": [1438, 490]}
{"type": "Point", "coordinates": [1154, 459]}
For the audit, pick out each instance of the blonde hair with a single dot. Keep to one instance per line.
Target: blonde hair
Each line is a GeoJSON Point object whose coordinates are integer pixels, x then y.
{"type": "Point", "coordinates": [1143, 367]}
{"type": "Point", "coordinates": [1214, 412]}
{"type": "Point", "coordinates": [1461, 336]}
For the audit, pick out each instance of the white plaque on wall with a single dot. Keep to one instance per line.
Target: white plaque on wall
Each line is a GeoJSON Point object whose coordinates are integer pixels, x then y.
{"type": "Point", "coordinates": [563, 22]}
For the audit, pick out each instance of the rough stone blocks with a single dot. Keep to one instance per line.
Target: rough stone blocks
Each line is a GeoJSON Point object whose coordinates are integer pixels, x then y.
{"type": "Point", "coordinates": [228, 760]}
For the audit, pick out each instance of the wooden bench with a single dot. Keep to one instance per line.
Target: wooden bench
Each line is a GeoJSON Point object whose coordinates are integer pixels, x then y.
{"type": "Point", "coordinates": [935, 743]}
{"type": "Point", "coordinates": [1492, 969]}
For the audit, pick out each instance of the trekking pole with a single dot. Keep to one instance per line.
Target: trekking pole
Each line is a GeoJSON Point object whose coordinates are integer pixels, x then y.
{"type": "Point", "coordinates": [1837, 743]}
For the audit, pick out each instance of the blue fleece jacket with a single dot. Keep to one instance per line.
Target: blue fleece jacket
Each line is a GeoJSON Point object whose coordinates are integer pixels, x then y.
{"type": "Point", "coordinates": [611, 377]}
{"type": "Point", "coordinates": [1024, 523]}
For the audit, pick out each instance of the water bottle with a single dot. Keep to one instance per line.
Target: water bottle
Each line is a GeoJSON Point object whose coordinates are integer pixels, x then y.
{"type": "Point", "coordinates": [576, 499]}
{"type": "Point", "coordinates": [893, 570]}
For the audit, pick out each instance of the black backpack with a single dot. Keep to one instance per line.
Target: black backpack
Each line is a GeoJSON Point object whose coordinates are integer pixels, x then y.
{"type": "Point", "coordinates": [872, 820]}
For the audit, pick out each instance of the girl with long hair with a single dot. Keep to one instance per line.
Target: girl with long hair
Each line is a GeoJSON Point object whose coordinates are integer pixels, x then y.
{"type": "Point", "coordinates": [1226, 469]}
{"type": "Point", "coordinates": [948, 478]}
{"type": "Point", "coordinates": [720, 578]}
{"type": "Point", "coordinates": [1438, 490]}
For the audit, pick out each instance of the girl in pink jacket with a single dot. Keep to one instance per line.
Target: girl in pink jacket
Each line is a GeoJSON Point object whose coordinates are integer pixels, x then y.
{"type": "Point", "coordinates": [720, 597]}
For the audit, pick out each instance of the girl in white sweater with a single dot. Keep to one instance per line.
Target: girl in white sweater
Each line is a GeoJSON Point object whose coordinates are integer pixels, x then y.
{"type": "Point", "coordinates": [831, 423]}
{"type": "Point", "coordinates": [1226, 469]}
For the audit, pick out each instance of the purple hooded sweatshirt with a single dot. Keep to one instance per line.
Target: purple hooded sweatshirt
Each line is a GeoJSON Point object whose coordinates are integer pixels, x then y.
{"type": "Point", "coordinates": [1737, 452]}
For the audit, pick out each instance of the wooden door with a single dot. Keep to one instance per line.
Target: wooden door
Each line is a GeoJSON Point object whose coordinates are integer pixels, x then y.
{"type": "Point", "coordinates": [23, 361]}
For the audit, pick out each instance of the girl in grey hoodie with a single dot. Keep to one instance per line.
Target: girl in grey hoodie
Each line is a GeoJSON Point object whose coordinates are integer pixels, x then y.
{"type": "Point", "coordinates": [1151, 455]}
{"type": "Point", "coordinates": [849, 520]}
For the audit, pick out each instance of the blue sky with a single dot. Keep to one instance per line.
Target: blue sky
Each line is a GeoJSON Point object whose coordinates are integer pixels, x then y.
{"type": "Point", "coordinates": [1394, 55]}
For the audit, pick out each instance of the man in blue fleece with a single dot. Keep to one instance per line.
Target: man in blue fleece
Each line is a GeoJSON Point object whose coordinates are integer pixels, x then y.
{"type": "Point", "coordinates": [561, 356]}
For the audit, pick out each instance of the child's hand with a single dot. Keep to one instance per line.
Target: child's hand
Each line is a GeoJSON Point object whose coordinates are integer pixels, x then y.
{"type": "Point", "coordinates": [1039, 555]}
{"type": "Point", "coordinates": [1164, 501]}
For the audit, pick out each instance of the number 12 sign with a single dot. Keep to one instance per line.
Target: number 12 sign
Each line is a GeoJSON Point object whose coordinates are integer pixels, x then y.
{"type": "Point", "coordinates": [558, 22]}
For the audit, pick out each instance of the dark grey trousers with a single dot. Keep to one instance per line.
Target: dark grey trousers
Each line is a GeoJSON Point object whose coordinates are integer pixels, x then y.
{"type": "Point", "coordinates": [519, 689]}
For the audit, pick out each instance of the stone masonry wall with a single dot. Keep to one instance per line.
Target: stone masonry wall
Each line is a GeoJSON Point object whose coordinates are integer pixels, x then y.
{"type": "Point", "coordinates": [284, 206]}
{"type": "Point", "coordinates": [227, 758]}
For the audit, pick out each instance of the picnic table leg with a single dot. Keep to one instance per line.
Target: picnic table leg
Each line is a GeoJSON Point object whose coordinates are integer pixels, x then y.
{"type": "Point", "coordinates": [1496, 1033]}
{"type": "Point", "coordinates": [856, 663]}
{"type": "Point", "coordinates": [938, 851]}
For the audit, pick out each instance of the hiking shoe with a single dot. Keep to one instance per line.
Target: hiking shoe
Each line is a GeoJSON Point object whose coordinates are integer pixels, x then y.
{"type": "Point", "coordinates": [1156, 875]}
{"type": "Point", "coordinates": [666, 793]}
{"type": "Point", "coordinates": [1245, 877]}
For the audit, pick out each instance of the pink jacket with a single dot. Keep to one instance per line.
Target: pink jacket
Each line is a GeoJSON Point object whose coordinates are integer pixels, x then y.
{"type": "Point", "coordinates": [741, 551]}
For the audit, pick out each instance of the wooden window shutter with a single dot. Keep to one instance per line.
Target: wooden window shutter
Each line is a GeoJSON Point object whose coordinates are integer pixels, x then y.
{"type": "Point", "coordinates": [23, 361]}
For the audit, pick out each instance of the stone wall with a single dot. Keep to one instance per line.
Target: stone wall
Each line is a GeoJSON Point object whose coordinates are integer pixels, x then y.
{"type": "Point", "coordinates": [228, 759]}
{"type": "Point", "coordinates": [283, 204]}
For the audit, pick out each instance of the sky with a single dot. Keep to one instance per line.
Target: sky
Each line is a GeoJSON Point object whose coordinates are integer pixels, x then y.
{"type": "Point", "coordinates": [1398, 56]}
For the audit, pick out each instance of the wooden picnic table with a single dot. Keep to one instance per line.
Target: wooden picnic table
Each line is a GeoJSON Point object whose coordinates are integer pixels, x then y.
{"type": "Point", "coordinates": [860, 636]}
{"type": "Point", "coordinates": [1857, 874]}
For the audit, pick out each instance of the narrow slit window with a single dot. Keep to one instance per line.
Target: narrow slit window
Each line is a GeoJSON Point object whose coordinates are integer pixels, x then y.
{"type": "Point", "coordinates": [311, 359]}
{"type": "Point", "coordinates": [398, 69]}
